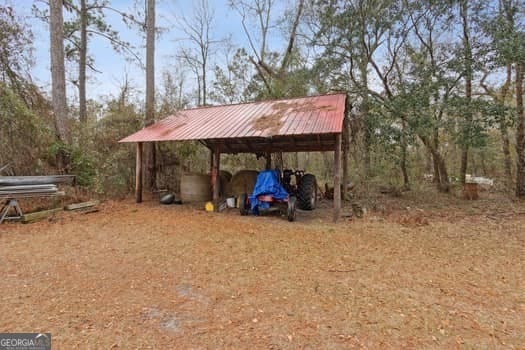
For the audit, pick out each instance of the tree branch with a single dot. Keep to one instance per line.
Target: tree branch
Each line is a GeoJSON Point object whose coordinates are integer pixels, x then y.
{"type": "Point", "coordinates": [289, 49]}
{"type": "Point", "coordinates": [119, 43]}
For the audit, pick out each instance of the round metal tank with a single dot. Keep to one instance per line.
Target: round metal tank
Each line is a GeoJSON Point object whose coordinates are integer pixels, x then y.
{"type": "Point", "coordinates": [195, 188]}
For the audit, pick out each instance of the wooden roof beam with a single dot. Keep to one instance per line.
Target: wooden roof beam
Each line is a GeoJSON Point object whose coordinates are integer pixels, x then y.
{"type": "Point", "coordinates": [249, 146]}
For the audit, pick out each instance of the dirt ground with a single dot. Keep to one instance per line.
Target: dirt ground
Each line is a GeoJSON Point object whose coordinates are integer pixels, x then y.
{"type": "Point", "coordinates": [413, 273]}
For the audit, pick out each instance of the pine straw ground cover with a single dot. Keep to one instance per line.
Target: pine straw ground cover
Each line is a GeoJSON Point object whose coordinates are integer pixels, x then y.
{"type": "Point", "coordinates": [146, 276]}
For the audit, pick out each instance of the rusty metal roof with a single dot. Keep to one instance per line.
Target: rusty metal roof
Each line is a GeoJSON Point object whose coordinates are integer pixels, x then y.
{"type": "Point", "coordinates": [265, 119]}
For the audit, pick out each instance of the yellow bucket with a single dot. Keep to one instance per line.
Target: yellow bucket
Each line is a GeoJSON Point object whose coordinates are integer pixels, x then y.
{"type": "Point", "coordinates": [209, 206]}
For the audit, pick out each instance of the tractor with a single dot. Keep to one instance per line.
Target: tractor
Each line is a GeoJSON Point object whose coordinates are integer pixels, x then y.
{"type": "Point", "coordinates": [275, 191]}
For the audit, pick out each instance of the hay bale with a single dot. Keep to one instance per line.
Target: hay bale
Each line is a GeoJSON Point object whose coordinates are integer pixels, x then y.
{"type": "Point", "coordinates": [224, 183]}
{"type": "Point", "coordinates": [226, 175]}
{"type": "Point", "coordinates": [243, 181]}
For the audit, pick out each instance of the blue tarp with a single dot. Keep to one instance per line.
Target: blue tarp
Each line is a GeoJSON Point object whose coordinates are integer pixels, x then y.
{"type": "Point", "coordinates": [267, 184]}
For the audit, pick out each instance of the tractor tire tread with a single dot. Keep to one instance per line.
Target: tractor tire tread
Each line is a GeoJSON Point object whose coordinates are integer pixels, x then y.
{"type": "Point", "coordinates": [307, 192]}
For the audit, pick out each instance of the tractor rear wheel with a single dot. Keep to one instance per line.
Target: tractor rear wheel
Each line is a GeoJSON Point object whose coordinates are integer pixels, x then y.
{"type": "Point", "coordinates": [307, 192]}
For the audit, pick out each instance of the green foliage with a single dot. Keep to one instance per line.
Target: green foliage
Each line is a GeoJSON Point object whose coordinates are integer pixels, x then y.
{"type": "Point", "coordinates": [115, 162]}
{"type": "Point", "coordinates": [404, 65]}
{"type": "Point", "coordinates": [15, 48]}
{"type": "Point", "coordinates": [81, 164]}
{"type": "Point", "coordinates": [507, 33]}
{"type": "Point", "coordinates": [232, 83]}
{"type": "Point", "coordinates": [23, 134]}
{"type": "Point", "coordinates": [482, 117]}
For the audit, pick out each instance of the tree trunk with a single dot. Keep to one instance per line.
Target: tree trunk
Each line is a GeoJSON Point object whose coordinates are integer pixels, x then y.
{"type": "Point", "coordinates": [520, 133]}
{"type": "Point", "coordinates": [464, 164]}
{"type": "Point", "coordinates": [58, 78]}
{"type": "Point", "coordinates": [138, 173]}
{"type": "Point", "coordinates": [507, 161]}
{"type": "Point", "coordinates": [337, 177]}
{"type": "Point", "coordinates": [444, 184]}
{"type": "Point", "coordinates": [151, 165]}
{"type": "Point", "coordinates": [435, 161]}
{"type": "Point", "coordinates": [483, 163]}
{"type": "Point", "coordinates": [199, 90]}
{"type": "Point", "coordinates": [435, 167]}
{"type": "Point", "coordinates": [150, 62]}
{"type": "Point", "coordinates": [82, 67]}
{"type": "Point", "coordinates": [150, 92]}
{"type": "Point", "coordinates": [463, 9]}
{"type": "Point", "coordinates": [346, 148]}
{"type": "Point", "coordinates": [428, 161]}
{"type": "Point", "coordinates": [440, 166]}
{"type": "Point", "coordinates": [204, 83]}
{"type": "Point", "coordinates": [406, 181]}
{"type": "Point", "coordinates": [364, 115]}
{"type": "Point", "coordinates": [366, 149]}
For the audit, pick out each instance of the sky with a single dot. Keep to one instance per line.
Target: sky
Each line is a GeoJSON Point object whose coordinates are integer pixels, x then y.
{"type": "Point", "coordinates": [113, 66]}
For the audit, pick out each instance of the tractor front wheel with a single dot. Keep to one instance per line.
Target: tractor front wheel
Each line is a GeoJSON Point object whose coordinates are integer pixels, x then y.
{"type": "Point", "coordinates": [290, 212]}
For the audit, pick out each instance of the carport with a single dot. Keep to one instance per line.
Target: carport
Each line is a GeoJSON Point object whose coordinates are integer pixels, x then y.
{"type": "Point", "coordinates": [306, 124]}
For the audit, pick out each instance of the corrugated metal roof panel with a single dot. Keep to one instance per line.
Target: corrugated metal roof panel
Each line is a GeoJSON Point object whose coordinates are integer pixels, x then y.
{"type": "Point", "coordinates": [299, 116]}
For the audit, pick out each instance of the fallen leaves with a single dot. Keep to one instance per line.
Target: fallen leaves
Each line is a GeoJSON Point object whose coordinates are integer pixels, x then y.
{"type": "Point", "coordinates": [154, 276]}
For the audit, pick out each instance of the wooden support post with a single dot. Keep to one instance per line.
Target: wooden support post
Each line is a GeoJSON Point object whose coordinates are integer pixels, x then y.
{"type": "Point", "coordinates": [346, 149]}
{"type": "Point", "coordinates": [211, 159]}
{"type": "Point", "coordinates": [215, 167]}
{"type": "Point", "coordinates": [268, 157]}
{"type": "Point", "coordinates": [337, 177]}
{"type": "Point", "coordinates": [138, 173]}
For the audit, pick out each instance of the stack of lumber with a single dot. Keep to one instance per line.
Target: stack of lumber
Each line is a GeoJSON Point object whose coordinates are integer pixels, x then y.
{"type": "Point", "coordinates": [26, 191]}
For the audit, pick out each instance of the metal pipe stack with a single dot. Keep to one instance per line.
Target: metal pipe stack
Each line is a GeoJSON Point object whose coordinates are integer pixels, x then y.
{"type": "Point", "coordinates": [25, 191]}
{"type": "Point", "coordinates": [32, 186]}
{"type": "Point", "coordinates": [36, 180]}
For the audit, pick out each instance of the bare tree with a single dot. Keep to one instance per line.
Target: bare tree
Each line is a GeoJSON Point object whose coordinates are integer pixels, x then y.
{"type": "Point", "coordinates": [191, 60]}
{"type": "Point", "coordinates": [260, 12]}
{"type": "Point", "coordinates": [58, 76]}
{"type": "Point", "coordinates": [171, 97]}
{"type": "Point", "coordinates": [198, 30]}
{"type": "Point", "coordinates": [232, 80]}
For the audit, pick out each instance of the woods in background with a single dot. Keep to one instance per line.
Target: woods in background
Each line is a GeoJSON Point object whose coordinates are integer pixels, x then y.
{"type": "Point", "coordinates": [436, 87]}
